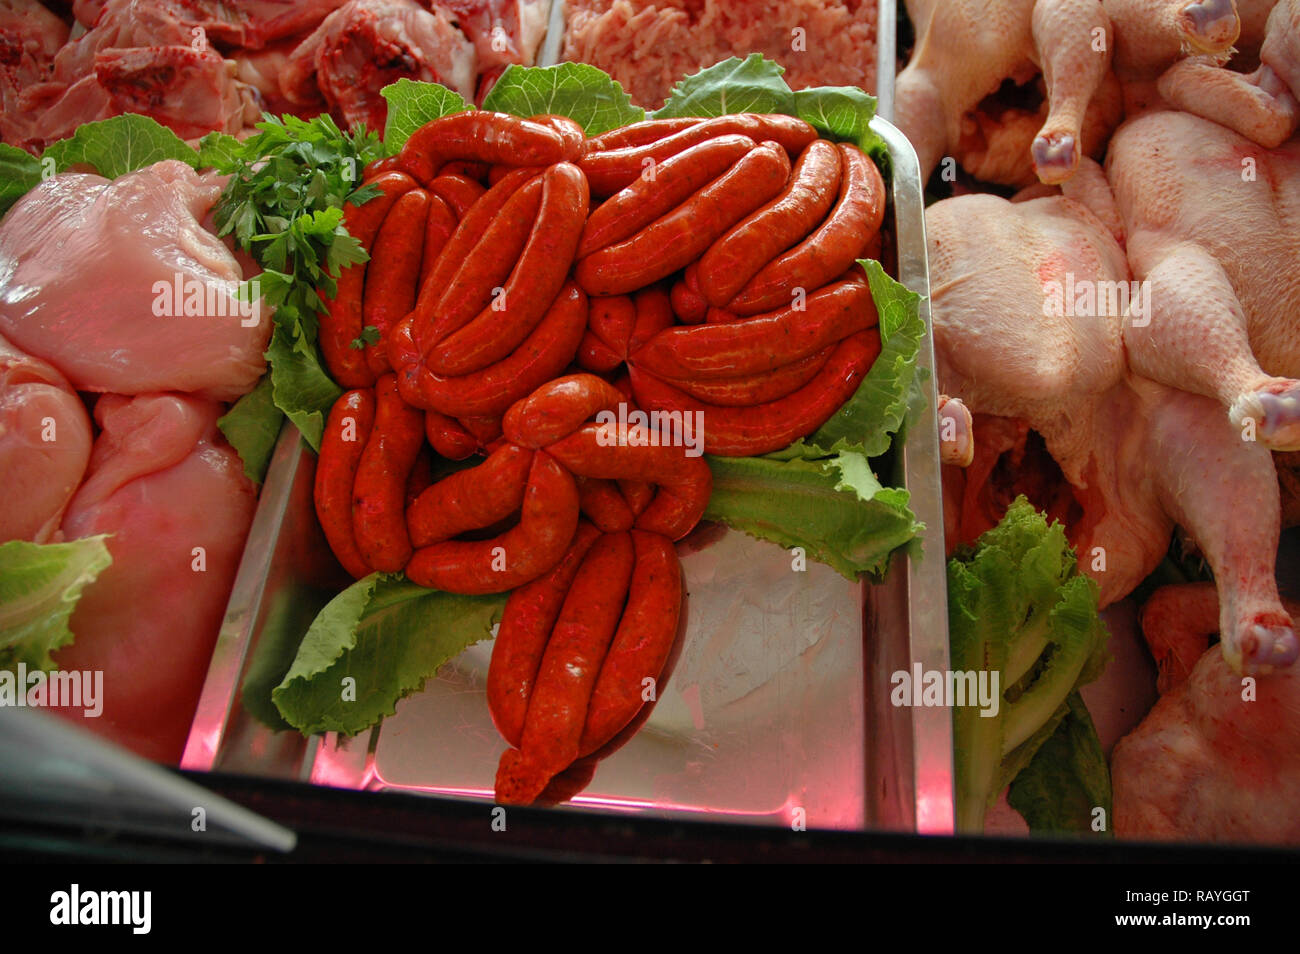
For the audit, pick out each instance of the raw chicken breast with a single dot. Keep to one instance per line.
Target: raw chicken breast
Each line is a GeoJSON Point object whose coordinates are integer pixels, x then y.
{"type": "Point", "coordinates": [89, 271]}
{"type": "Point", "coordinates": [163, 482]}
{"type": "Point", "coordinates": [44, 445]}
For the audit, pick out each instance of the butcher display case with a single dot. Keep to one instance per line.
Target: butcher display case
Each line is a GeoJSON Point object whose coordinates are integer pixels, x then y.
{"type": "Point", "coordinates": [774, 739]}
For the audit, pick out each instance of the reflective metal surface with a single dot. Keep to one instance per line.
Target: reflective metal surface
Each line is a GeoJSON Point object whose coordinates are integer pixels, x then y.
{"type": "Point", "coordinates": [777, 707]}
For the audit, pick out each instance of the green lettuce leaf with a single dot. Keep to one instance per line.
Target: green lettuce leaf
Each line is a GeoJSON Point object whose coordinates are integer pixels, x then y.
{"type": "Point", "coordinates": [582, 92]}
{"type": "Point", "coordinates": [120, 145]}
{"type": "Point", "coordinates": [411, 104]}
{"type": "Point", "coordinates": [1067, 779]}
{"type": "Point", "coordinates": [387, 636]}
{"type": "Point", "coordinates": [751, 85]}
{"type": "Point", "coordinates": [839, 112]}
{"type": "Point", "coordinates": [20, 172]}
{"type": "Point", "coordinates": [293, 607]}
{"type": "Point", "coordinates": [834, 509]}
{"type": "Point", "coordinates": [875, 412]}
{"type": "Point", "coordinates": [300, 387]}
{"type": "Point", "coordinates": [1018, 606]}
{"type": "Point", "coordinates": [252, 427]}
{"type": "Point", "coordinates": [220, 151]}
{"type": "Point", "coordinates": [40, 585]}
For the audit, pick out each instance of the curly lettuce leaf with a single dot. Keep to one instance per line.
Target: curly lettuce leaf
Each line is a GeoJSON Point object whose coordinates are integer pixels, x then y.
{"type": "Point", "coordinates": [867, 420]}
{"type": "Point", "coordinates": [300, 387]}
{"type": "Point", "coordinates": [373, 645]}
{"type": "Point", "coordinates": [20, 172]}
{"type": "Point", "coordinates": [411, 104]}
{"type": "Point", "coordinates": [1067, 780]}
{"type": "Point", "coordinates": [252, 427]}
{"type": "Point", "coordinates": [40, 584]}
{"type": "Point", "coordinates": [835, 509]}
{"type": "Point", "coordinates": [585, 94]}
{"type": "Point", "coordinates": [1018, 606]}
{"type": "Point", "coordinates": [120, 145]}
{"type": "Point", "coordinates": [751, 85]}
{"type": "Point", "coordinates": [839, 112]}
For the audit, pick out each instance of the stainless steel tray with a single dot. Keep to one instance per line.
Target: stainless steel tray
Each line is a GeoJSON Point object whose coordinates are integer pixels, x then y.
{"type": "Point", "coordinates": [777, 710]}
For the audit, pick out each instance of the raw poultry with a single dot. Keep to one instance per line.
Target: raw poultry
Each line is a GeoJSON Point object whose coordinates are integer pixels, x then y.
{"type": "Point", "coordinates": [1156, 409]}
{"type": "Point", "coordinates": [45, 440]}
{"type": "Point", "coordinates": [173, 495]}
{"type": "Point", "coordinates": [972, 88]}
{"type": "Point", "coordinates": [89, 273]}
{"type": "Point", "coordinates": [94, 280]}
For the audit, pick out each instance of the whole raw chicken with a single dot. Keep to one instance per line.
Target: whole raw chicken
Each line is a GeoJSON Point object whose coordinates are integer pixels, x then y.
{"type": "Point", "coordinates": [1213, 219]}
{"type": "Point", "coordinates": [949, 98]}
{"type": "Point", "coordinates": [1028, 303]}
{"type": "Point", "coordinates": [1217, 759]}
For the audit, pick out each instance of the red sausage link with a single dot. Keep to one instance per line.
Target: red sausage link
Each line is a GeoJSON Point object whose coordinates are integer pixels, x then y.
{"type": "Point", "coordinates": [660, 188]}
{"type": "Point", "coordinates": [654, 313]}
{"type": "Point", "coordinates": [480, 136]}
{"type": "Point", "coordinates": [421, 476]}
{"type": "Point", "coordinates": [393, 275]}
{"type": "Point", "coordinates": [477, 171]}
{"type": "Point", "coordinates": [548, 520]}
{"type": "Point", "coordinates": [557, 708]}
{"type": "Point", "coordinates": [468, 234]}
{"type": "Point", "coordinates": [737, 257]}
{"type": "Point", "coordinates": [377, 167]}
{"type": "Point", "coordinates": [439, 227]}
{"type": "Point", "coordinates": [688, 304]}
{"type": "Point", "coordinates": [596, 356]}
{"type": "Point", "coordinates": [379, 494]}
{"type": "Point", "coordinates": [558, 408]}
{"type": "Point", "coordinates": [599, 450]}
{"type": "Point", "coordinates": [459, 192]}
{"type": "Point", "coordinates": [471, 499]}
{"type": "Point", "coordinates": [761, 343]}
{"type": "Point", "coordinates": [571, 132]}
{"type": "Point", "coordinates": [602, 504]}
{"type": "Point", "coordinates": [544, 354]}
{"type": "Point", "coordinates": [485, 428]}
{"type": "Point", "coordinates": [347, 430]}
{"type": "Point", "coordinates": [834, 246]}
{"type": "Point", "coordinates": [403, 352]}
{"type": "Point", "coordinates": [639, 134]}
{"type": "Point", "coordinates": [758, 388]}
{"type": "Point", "coordinates": [538, 273]}
{"type": "Point", "coordinates": [641, 644]}
{"type": "Point", "coordinates": [748, 431]}
{"type": "Point", "coordinates": [637, 493]}
{"type": "Point", "coordinates": [612, 319]}
{"type": "Point", "coordinates": [476, 284]}
{"type": "Point", "coordinates": [526, 624]}
{"type": "Point", "coordinates": [608, 172]}
{"type": "Point", "coordinates": [341, 324]}
{"type": "Point", "coordinates": [497, 173]}
{"type": "Point", "coordinates": [447, 437]}
{"type": "Point", "coordinates": [675, 240]}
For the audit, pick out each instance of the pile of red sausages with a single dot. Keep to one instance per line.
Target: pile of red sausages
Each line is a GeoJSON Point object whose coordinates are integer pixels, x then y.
{"type": "Point", "coordinates": [524, 280]}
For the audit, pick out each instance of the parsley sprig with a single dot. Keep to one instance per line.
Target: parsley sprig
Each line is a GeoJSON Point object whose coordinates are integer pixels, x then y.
{"type": "Point", "coordinates": [284, 205]}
